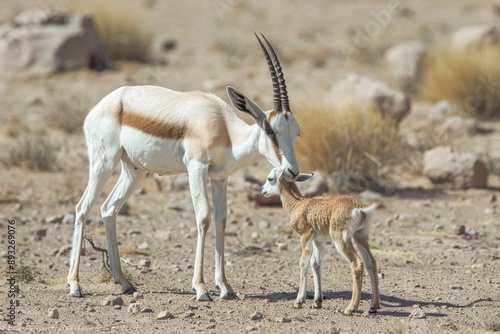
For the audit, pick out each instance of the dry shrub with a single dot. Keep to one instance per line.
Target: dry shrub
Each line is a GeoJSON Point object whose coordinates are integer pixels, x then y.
{"type": "Point", "coordinates": [68, 115]}
{"type": "Point", "coordinates": [31, 153]}
{"type": "Point", "coordinates": [467, 78]}
{"type": "Point", "coordinates": [123, 27]}
{"type": "Point", "coordinates": [352, 145]}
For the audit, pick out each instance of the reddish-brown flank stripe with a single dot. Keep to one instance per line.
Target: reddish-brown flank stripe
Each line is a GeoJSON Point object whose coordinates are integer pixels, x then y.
{"type": "Point", "coordinates": [154, 127]}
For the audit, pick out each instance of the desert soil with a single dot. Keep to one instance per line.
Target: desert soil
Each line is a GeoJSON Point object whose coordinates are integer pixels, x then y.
{"type": "Point", "coordinates": [435, 277]}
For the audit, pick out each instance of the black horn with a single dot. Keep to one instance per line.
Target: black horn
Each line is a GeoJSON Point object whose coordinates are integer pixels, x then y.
{"type": "Point", "coordinates": [281, 77]}
{"type": "Point", "coordinates": [276, 86]}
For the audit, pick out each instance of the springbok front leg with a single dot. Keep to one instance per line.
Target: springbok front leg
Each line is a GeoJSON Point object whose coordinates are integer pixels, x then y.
{"type": "Point", "coordinates": [219, 200]}
{"type": "Point", "coordinates": [306, 243]}
{"type": "Point", "coordinates": [318, 248]}
{"type": "Point", "coordinates": [198, 173]}
{"type": "Point", "coordinates": [130, 178]}
{"type": "Point", "coordinates": [371, 268]}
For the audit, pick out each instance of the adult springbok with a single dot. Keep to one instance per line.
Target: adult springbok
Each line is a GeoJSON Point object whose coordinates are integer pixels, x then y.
{"type": "Point", "coordinates": [150, 129]}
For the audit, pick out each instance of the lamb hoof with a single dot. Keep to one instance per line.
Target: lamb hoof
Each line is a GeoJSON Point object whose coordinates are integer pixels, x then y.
{"type": "Point", "coordinates": [373, 310]}
{"type": "Point", "coordinates": [348, 311]}
{"type": "Point", "coordinates": [317, 304]}
{"type": "Point", "coordinates": [298, 305]}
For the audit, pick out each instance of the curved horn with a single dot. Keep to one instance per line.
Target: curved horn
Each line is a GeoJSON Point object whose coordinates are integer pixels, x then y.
{"type": "Point", "coordinates": [281, 77]}
{"type": "Point", "coordinates": [276, 88]}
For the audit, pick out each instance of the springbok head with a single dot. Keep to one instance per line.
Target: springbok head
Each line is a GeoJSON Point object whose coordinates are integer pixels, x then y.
{"type": "Point", "coordinates": [279, 127]}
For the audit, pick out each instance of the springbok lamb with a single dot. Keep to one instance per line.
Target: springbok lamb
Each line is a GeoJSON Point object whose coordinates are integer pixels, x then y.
{"type": "Point", "coordinates": [150, 129]}
{"type": "Point", "coordinates": [342, 218]}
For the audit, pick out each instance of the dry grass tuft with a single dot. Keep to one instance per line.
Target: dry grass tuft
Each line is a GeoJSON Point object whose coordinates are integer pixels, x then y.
{"type": "Point", "coordinates": [68, 115]}
{"type": "Point", "coordinates": [123, 27]}
{"type": "Point", "coordinates": [134, 251]}
{"type": "Point", "coordinates": [352, 145]}
{"type": "Point", "coordinates": [469, 78]}
{"type": "Point", "coordinates": [31, 153]}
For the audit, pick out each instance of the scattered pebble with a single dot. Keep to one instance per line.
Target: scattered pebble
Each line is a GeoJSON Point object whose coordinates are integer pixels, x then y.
{"type": "Point", "coordinates": [164, 315]}
{"type": "Point", "coordinates": [144, 263]}
{"type": "Point", "coordinates": [53, 313]}
{"type": "Point", "coordinates": [456, 287]}
{"type": "Point", "coordinates": [417, 314]}
{"type": "Point", "coordinates": [189, 314]}
{"type": "Point", "coordinates": [117, 307]}
{"type": "Point", "coordinates": [263, 224]}
{"type": "Point", "coordinates": [256, 316]}
{"type": "Point", "coordinates": [68, 218]}
{"type": "Point", "coordinates": [282, 246]}
{"type": "Point", "coordinates": [64, 250]}
{"type": "Point", "coordinates": [282, 320]}
{"type": "Point", "coordinates": [40, 233]}
{"type": "Point", "coordinates": [54, 219]}
{"type": "Point", "coordinates": [255, 235]}
{"type": "Point", "coordinates": [112, 300]}
{"type": "Point", "coordinates": [144, 245]}
{"type": "Point", "coordinates": [137, 295]}
{"type": "Point", "coordinates": [211, 326]}
{"type": "Point", "coordinates": [146, 310]}
{"type": "Point", "coordinates": [134, 308]}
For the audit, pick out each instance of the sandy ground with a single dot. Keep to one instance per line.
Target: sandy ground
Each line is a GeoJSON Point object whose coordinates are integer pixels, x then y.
{"type": "Point", "coordinates": [434, 277]}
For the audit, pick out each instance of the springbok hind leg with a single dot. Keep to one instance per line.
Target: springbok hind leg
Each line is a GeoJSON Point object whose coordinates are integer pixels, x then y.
{"type": "Point", "coordinates": [130, 178]}
{"type": "Point", "coordinates": [99, 174]}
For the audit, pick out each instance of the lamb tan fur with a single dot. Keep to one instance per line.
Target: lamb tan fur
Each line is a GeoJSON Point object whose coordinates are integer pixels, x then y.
{"type": "Point", "coordinates": [344, 219]}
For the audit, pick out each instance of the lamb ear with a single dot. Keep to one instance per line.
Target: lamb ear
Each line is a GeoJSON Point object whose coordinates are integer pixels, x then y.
{"type": "Point", "coordinates": [304, 177]}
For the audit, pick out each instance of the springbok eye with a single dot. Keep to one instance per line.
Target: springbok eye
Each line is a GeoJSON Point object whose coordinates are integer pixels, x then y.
{"type": "Point", "coordinates": [270, 179]}
{"type": "Point", "coordinates": [269, 131]}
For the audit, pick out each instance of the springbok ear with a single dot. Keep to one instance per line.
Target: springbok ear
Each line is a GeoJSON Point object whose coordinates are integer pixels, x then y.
{"type": "Point", "coordinates": [304, 177]}
{"type": "Point", "coordinates": [243, 103]}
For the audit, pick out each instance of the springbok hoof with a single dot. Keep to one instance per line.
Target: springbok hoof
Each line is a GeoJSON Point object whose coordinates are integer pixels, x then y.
{"type": "Point", "coordinates": [373, 310]}
{"type": "Point", "coordinates": [229, 296]}
{"type": "Point", "coordinates": [348, 311]}
{"type": "Point", "coordinates": [204, 298]}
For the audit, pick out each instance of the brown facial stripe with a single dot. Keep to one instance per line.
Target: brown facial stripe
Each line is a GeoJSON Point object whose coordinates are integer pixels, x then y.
{"type": "Point", "coordinates": [153, 127]}
{"type": "Point", "coordinates": [274, 139]}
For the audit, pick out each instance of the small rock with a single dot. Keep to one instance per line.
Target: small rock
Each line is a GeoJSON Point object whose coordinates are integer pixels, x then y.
{"type": "Point", "coordinates": [255, 235]}
{"type": "Point", "coordinates": [53, 313]}
{"type": "Point", "coordinates": [144, 263]}
{"type": "Point", "coordinates": [54, 219]}
{"type": "Point", "coordinates": [189, 314]}
{"type": "Point", "coordinates": [137, 295]}
{"type": "Point", "coordinates": [64, 250]}
{"type": "Point", "coordinates": [282, 246]}
{"type": "Point", "coordinates": [117, 307]}
{"type": "Point", "coordinates": [256, 316]}
{"type": "Point", "coordinates": [164, 315]}
{"type": "Point", "coordinates": [471, 231]}
{"type": "Point", "coordinates": [417, 314]}
{"type": "Point", "coordinates": [134, 308]}
{"type": "Point", "coordinates": [144, 245]}
{"type": "Point", "coordinates": [460, 230]}
{"type": "Point", "coordinates": [117, 301]}
{"type": "Point", "coordinates": [493, 198]}
{"type": "Point", "coordinates": [456, 287]}
{"type": "Point", "coordinates": [211, 326]}
{"type": "Point", "coordinates": [40, 233]}
{"type": "Point", "coordinates": [263, 224]}
{"type": "Point", "coordinates": [146, 310]}
{"type": "Point", "coordinates": [68, 218]}
{"type": "Point", "coordinates": [282, 320]}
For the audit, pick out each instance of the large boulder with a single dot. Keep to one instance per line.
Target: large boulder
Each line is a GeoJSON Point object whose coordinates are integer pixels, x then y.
{"type": "Point", "coordinates": [389, 102]}
{"type": "Point", "coordinates": [41, 43]}
{"type": "Point", "coordinates": [458, 170]}
{"type": "Point", "coordinates": [404, 60]}
{"type": "Point", "coordinates": [476, 35]}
